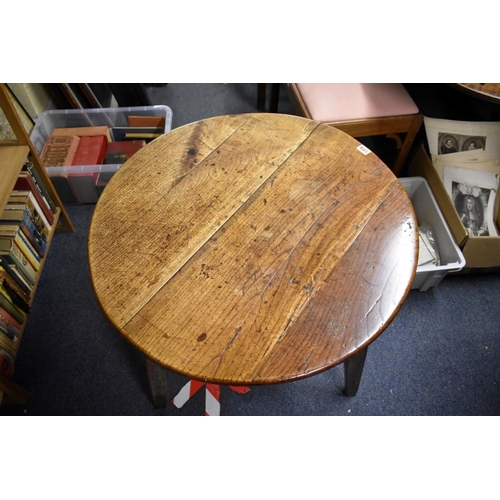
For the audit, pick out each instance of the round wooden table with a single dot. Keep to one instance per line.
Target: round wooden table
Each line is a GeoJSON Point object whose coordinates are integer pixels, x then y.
{"type": "Point", "coordinates": [253, 249]}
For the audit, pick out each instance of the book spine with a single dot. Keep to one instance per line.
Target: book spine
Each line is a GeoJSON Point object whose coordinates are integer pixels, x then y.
{"type": "Point", "coordinates": [6, 363]}
{"type": "Point", "coordinates": [4, 265]}
{"type": "Point", "coordinates": [7, 317]}
{"type": "Point", "coordinates": [38, 210]}
{"type": "Point", "coordinates": [30, 246]}
{"type": "Point", "coordinates": [20, 307]}
{"type": "Point", "coordinates": [15, 256]}
{"type": "Point", "coordinates": [9, 307]}
{"type": "Point", "coordinates": [27, 249]}
{"type": "Point", "coordinates": [5, 341]}
{"type": "Point", "coordinates": [32, 219]}
{"type": "Point", "coordinates": [9, 282]}
{"type": "Point", "coordinates": [34, 238]}
{"type": "Point", "coordinates": [21, 277]}
{"type": "Point", "coordinates": [37, 181]}
{"type": "Point", "coordinates": [12, 287]}
{"type": "Point", "coordinates": [14, 297]}
{"type": "Point", "coordinates": [24, 182]}
{"type": "Point", "coordinates": [9, 329]}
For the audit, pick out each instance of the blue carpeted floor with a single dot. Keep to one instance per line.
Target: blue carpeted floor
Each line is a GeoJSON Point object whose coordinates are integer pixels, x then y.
{"type": "Point", "coordinates": [440, 356]}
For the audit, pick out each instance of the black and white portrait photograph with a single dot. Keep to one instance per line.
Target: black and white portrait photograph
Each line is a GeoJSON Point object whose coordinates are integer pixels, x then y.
{"type": "Point", "coordinates": [471, 143]}
{"type": "Point", "coordinates": [471, 203]}
{"type": "Point", "coordinates": [473, 194]}
{"type": "Point", "coordinates": [462, 139]}
{"type": "Point", "coordinates": [448, 144]}
{"type": "Point", "coordinates": [454, 143]}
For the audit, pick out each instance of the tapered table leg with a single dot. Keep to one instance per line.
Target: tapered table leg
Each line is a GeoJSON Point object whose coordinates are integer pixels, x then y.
{"type": "Point", "coordinates": [275, 97]}
{"type": "Point", "coordinates": [261, 96]}
{"type": "Point", "coordinates": [353, 369]}
{"type": "Point", "coordinates": [157, 376]}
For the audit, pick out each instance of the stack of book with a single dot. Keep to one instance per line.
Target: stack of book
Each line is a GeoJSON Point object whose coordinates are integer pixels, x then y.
{"type": "Point", "coordinates": [91, 146]}
{"type": "Point", "coordinates": [25, 224]}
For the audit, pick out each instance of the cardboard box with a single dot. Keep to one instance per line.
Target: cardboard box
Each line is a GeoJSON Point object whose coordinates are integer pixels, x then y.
{"type": "Point", "coordinates": [481, 253]}
{"type": "Point", "coordinates": [84, 183]}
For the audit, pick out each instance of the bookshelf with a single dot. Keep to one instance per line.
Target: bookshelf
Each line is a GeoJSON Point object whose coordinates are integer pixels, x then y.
{"type": "Point", "coordinates": [13, 154]}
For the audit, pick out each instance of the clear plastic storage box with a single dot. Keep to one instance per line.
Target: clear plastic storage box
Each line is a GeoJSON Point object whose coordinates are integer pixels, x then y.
{"type": "Point", "coordinates": [84, 183]}
{"type": "Point", "coordinates": [428, 212]}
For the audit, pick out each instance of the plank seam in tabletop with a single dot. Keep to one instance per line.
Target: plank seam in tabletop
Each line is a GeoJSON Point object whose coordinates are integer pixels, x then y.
{"type": "Point", "coordinates": [120, 320]}
{"type": "Point", "coordinates": [228, 217]}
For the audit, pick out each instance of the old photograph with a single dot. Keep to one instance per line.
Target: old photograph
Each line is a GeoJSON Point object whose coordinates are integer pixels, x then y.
{"type": "Point", "coordinates": [450, 136]}
{"type": "Point", "coordinates": [454, 143]}
{"type": "Point", "coordinates": [473, 195]}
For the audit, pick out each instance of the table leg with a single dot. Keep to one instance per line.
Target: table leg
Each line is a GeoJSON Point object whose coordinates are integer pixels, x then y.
{"type": "Point", "coordinates": [353, 369]}
{"type": "Point", "coordinates": [275, 97]}
{"type": "Point", "coordinates": [157, 376]}
{"type": "Point", "coordinates": [261, 96]}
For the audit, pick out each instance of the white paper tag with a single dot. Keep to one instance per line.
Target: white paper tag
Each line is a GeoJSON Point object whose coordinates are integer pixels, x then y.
{"type": "Point", "coordinates": [363, 149]}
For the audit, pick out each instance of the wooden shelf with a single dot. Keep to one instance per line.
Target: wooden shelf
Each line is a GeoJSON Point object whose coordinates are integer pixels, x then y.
{"type": "Point", "coordinates": [13, 155]}
{"type": "Point", "coordinates": [11, 161]}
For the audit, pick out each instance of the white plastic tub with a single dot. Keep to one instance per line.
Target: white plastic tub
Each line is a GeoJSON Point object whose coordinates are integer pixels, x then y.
{"type": "Point", "coordinates": [428, 212]}
{"type": "Point", "coordinates": [84, 183]}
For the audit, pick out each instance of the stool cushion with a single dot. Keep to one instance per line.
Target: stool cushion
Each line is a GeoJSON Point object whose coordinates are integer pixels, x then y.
{"type": "Point", "coordinates": [330, 102]}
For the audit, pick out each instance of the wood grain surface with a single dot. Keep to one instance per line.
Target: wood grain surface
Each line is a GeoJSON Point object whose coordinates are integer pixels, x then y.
{"type": "Point", "coordinates": [252, 249]}
{"type": "Point", "coordinates": [489, 91]}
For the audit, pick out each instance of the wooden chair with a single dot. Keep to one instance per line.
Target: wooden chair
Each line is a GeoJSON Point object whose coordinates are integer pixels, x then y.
{"type": "Point", "coordinates": [362, 110]}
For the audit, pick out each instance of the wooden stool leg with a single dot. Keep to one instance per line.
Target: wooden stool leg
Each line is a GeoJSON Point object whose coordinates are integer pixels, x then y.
{"type": "Point", "coordinates": [353, 369]}
{"type": "Point", "coordinates": [261, 96]}
{"type": "Point", "coordinates": [405, 149]}
{"type": "Point", "coordinates": [157, 376]}
{"type": "Point", "coordinates": [275, 97]}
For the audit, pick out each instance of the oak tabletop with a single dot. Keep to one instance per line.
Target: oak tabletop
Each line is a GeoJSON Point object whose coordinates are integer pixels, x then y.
{"type": "Point", "coordinates": [488, 91]}
{"type": "Point", "coordinates": [252, 249]}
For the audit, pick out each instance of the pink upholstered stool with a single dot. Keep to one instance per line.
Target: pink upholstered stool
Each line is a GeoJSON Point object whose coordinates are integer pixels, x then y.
{"type": "Point", "coordinates": [361, 110]}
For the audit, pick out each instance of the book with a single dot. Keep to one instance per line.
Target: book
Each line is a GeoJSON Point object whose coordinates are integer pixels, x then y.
{"type": "Point", "coordinates": [24, 182]}
{"type": "Point", "coordinates": [136, 133]}
{"type": "Point", "coordinates": [7, 230]}
{"type": "Point", "coordinates": [15, 297]}
{"type": "Point", "coordinates": [119, 152]}
{"type": "Point", "coordinates": [12, 211]}
{"type": "Point", "coordinates": [91, 151]}
{"type": "Point", "coordinates": [21, 277]}
{"type": "Point", "coordinates": [59, 151]}
{"type": "Point", "coordinates": [6, 363]}
{"type": "Point", "coordinates": [6, 268]}
{"type": "Point", "coordinates": [11, 309]}
{"type": "Point", "coordinates": [8, 318]}
{"type": "Point", "coordinates": [146, 121]}
{"type": "Point", "coordinates": [23, 214]}
{"type": "Point", "coordinates": [5, 341]}
{"type": "Point", "coordinates": [64, 189]}
{"type": "Point", "coordinates": [34, 230]}
{"type": "Point", "coordinates": [15, 256]}
{"type": "Point", "coordinates": [20, 239]}
{"type": "Point", "coordinates": [7, 326]}
{"type": "Point", "coordinates": [12, 284]}
{"type": "Point", "coordinates": [29, 168]}
{"type": "Point", "coordinates": [84, 187]}
{"type": "Point", "coordinates": [22, 200]}
{"type": "Point", "coordinates": [84, 131]}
